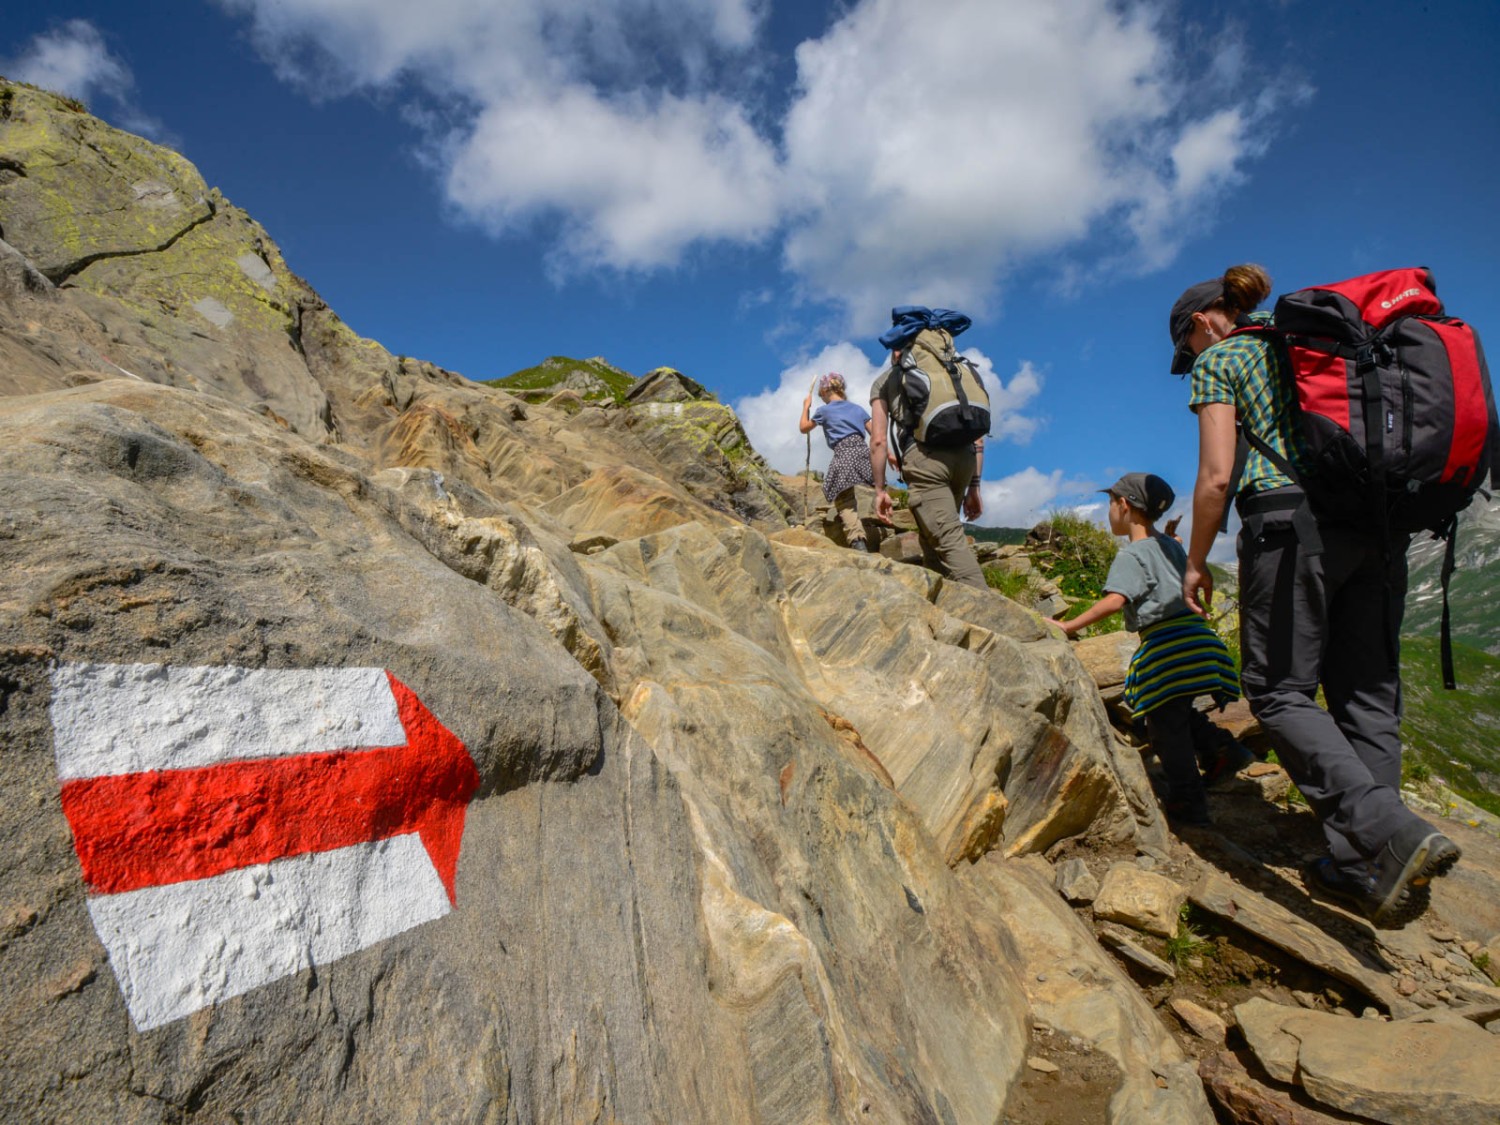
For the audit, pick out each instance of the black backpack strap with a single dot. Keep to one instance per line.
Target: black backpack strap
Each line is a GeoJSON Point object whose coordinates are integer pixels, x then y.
{"type": "Point", "coordinates": [893, 439]}
{"type": "Point", "coordinates": [1367, 368]}
{"type": "Point", "coordinates": [1241, 455]}
{"type": "Point", "coordinates": [1445, 641]}
{"type": "Point", "coordinates": [1303, 520]}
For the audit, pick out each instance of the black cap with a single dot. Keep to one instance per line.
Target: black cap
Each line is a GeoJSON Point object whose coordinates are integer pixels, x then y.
{"type": "Point", "coordinates": [1195, 299]}
{"type": "Point", "coordinates": [1146, 492]}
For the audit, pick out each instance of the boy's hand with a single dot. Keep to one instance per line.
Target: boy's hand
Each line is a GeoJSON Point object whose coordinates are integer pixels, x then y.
{"type": "Point", "coordinates": [1198, 588]}
{"type": "Point", "coordinates": [883, 506]}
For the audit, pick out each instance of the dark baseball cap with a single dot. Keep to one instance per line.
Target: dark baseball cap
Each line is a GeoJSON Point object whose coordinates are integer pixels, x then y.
{"type": "Point", "coordinates": [1146, 492]}
{"type": "Point", "coordinates": [1195, 299]}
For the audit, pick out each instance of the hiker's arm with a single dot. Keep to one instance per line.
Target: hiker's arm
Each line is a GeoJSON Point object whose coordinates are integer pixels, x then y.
{"type": "Point", "coordinates": [1107, 606]}
{"type": "Point", "coordinates": [973, 501]}
{"type": "Point", "coordinates": [878, 429]}
{"type": "Point", "coordinates": [807, 425]}
{"type": "Point", "coordinates": [1210, 497]}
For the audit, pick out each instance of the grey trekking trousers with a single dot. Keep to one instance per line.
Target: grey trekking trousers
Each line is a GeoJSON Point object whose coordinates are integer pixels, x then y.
{"type": "Point", "coordinates": [1332, 619]}
{"type": "Point", "coordinates": [936, 480]}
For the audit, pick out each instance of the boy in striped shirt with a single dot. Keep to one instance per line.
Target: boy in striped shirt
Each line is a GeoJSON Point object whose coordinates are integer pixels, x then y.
{"type": "Point", "coordinates": [1180, 656]}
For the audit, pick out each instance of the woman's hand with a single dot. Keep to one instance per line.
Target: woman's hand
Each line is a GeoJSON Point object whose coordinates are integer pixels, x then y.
{"type": "Point", "coordinates": [1198, 588]}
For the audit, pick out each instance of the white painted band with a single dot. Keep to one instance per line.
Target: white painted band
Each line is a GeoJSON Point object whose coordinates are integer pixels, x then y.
{"type": "Point", "coordinates": [129, 718]}
{"type": "Point", "coordinates": [175, 949]}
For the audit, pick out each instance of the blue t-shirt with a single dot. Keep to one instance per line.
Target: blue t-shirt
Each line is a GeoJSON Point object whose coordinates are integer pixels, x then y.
{"type": "Point", "coordinates": [1148, 575]}
{"type": "Point", "coordinates": [840, 419]}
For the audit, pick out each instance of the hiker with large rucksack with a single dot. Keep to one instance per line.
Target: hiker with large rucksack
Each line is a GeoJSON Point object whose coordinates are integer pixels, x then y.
{"type": "Point", "coordinates": [931, 406]}
{"type": "Point", "coordinates": [1361, 414]}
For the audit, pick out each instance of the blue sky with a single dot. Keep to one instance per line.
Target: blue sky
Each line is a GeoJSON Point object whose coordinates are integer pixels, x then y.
{"type": "Point", "coordinates": [742, 188]}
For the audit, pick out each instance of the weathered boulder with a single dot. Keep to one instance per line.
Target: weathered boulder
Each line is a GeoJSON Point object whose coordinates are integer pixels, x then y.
{"type": "Point", "coordinates": [1199, 1020]}
{"type": "Point", "coordinates": [1107, 658]}
{"type": "Point", "coordinates": [1075, 882]}
{"type": "Point", "coordinates": [1139, 899]}
{"type": "Point", "coordinates": [1400, 1073]}
{"type": "Point", "coordinates": [1244, 1100]}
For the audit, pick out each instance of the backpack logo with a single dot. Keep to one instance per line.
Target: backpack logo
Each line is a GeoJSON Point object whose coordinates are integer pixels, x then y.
{"type": "Point", "coordinates": [1399, 297]}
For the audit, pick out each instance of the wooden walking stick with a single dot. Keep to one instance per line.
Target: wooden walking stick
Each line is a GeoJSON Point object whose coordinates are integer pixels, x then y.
{"type": "Point", "coordinates": [807, 464]}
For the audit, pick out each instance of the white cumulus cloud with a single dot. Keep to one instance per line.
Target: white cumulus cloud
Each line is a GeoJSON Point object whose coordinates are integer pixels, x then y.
{"type": "Point", "coordinates": [610, 120]}
{"type": "Point", "coordinates": [73, 59]}
{"type": "Point", "coordinates": [1024, 498]}
{"type": "Point", "coordinates": [923, 150]}
{"type": "Point", "coordinates": [635, 184]}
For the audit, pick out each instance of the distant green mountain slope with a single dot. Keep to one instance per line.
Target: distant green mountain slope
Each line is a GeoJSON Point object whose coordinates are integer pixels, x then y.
{"type": "Point", "coordinates": [1472, 594]}
{"type": "Point", "coordinates": [1454, 735]}
{"type": "Point", "coordinates": [1005, 536]}
{"type": "Point", "coordinates": [593, 378]}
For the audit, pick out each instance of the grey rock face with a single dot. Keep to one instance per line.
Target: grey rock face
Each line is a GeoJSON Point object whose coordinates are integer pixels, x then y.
{"type": "Point", "coordinates": [734, 853]}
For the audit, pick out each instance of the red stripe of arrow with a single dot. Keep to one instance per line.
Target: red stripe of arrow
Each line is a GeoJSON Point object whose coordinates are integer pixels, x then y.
{"type": "Point", "coordinates": [171, 826]}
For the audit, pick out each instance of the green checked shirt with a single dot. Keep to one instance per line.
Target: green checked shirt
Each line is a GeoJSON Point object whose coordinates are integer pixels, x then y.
{"type": "Point", "coordinates": [1248, 373]}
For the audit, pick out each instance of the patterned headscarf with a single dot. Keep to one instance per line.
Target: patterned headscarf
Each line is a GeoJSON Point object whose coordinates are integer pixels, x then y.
{"type": "Point", "coordinates": [833, 382]}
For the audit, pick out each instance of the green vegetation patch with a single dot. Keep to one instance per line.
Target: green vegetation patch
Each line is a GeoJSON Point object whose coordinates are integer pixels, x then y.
{"type": "Point", "coordinates": [1016, 587]}
{"type": "Point", "coordinates": [1453, 735]}
{"type": "Point", "coordinates": [553, 372]}
{"type": "Point", "coordinates": [1079, 555]}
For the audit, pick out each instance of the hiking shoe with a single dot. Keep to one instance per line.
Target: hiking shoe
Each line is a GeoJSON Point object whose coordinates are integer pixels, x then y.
{"type": "Point", "coordinates": [1225, 761]}
{"type": "Point", "coordinates": [1188, 814]}
{"type": "Point", "coordinates": [1410, 860]}
{"type": "Point", "coordinates": [861, 546]}
{"type": "Point", "coordinates": [1353, 890]}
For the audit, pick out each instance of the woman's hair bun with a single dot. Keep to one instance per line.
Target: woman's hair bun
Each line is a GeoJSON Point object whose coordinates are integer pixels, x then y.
{"type": "Point", "coordinates": [1246, 286]}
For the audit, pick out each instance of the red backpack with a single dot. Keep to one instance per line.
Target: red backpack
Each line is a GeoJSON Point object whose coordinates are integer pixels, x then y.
{"type": "Point", "coordinates": [1396, 410]}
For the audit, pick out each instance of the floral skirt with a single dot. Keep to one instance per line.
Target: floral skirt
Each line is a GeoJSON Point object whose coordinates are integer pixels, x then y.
{"type": "Point", "coordinates": [850, 466]}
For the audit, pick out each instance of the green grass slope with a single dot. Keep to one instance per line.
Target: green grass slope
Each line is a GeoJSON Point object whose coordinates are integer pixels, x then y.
{"type": "Point", "coordinates": [553, 372]}
{"type": "Point", "coordinates": [1454, 735]}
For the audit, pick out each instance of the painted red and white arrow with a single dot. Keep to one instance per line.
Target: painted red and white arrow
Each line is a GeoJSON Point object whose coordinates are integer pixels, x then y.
{"type": "Point", "coordinates": [237, 825]}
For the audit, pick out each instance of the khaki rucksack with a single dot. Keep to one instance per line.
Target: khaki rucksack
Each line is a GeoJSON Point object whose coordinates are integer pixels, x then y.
{"type": "Point", "coordinates": [945, 404]}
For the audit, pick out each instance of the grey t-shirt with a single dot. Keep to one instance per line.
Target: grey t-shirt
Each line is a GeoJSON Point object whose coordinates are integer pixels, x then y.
{"type": "Point", "coordinates": [887, 388]}
{"type": "Point", "coordinates": [1148, 575]}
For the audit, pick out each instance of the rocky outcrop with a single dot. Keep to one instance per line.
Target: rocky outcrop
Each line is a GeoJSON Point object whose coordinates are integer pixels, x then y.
{"type": "Point", "coordinates": [666, 384]}
{"type": "Point", "coordinates": [716, 863]}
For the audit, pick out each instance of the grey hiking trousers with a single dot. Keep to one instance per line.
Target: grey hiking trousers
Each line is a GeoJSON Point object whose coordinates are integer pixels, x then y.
{"type": "Point", "coordinates": [1332, 619]}
{"type": "Point", "coordinates": [936, 480]}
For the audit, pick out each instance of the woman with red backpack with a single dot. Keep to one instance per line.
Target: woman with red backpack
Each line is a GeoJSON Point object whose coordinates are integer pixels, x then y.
{"type": "Point", "coordinates": [1321, 603]}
